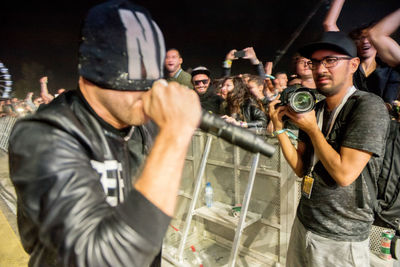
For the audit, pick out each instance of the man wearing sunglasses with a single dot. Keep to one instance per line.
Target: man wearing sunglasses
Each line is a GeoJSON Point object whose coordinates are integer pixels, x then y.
{"type": "Point", "coordinates": [201, 80]}
{"type": "Point", "coordinates": [340, 145]}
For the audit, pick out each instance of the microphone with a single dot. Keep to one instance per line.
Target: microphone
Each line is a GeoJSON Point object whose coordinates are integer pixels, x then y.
{"type": "Point", "coordinates": [235, 135]}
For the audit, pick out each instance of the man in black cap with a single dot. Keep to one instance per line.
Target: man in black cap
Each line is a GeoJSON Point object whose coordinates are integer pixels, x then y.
{"type": "Point", "coordinates": [209, 100]}
{"type": "Point", "coordinates": [340, 144]}
{"type": "Point", "coordinates": [86, 195]}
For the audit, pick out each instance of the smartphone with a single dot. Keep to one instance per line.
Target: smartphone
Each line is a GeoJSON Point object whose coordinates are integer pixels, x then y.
{"type": "Point", "coordinates": [240, 53]}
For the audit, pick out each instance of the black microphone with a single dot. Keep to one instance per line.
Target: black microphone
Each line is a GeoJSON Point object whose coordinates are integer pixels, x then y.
{"type": "Point", "coordinates": [235, 135]}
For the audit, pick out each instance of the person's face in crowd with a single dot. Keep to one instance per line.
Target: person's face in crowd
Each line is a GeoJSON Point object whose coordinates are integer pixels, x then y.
{"type": "Point", "coordinates": [331, 80]}
{"type": "Point", "coordinates": [201, 82]}
{"type": "Point", "coordinates": [256, 90]}
{"type": "Point", "coordinates": [38, 101]}
{"type": "Point", "coordinates": [364, 47]}
{"type": "Point", "coordinates": [173, 61]}
{"type": "Point", "coordinates": [226, 88]}
{"type": "Point", "coordinates": [302, 68]}
{"type": "Point", "coordinates": [282, 80]}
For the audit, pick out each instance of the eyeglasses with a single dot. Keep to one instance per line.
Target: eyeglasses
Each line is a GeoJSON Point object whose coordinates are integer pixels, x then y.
{"type": "Point", "coordinates": [328, 62]}
{"type": "Point", "coordinates": [201, 81]}
{"type": "Point", "coordinates": [303, 62]}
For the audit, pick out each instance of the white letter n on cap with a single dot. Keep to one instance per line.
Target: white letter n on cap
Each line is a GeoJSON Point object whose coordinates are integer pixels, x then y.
{"type": "Point", "coordinates": [141, 45]}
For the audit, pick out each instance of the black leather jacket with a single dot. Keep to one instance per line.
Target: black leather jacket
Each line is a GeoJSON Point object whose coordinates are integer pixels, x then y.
{"type": "Point", "coordinates": [254, 116]}
{"type": "Point", "coordinates": [73, 177]}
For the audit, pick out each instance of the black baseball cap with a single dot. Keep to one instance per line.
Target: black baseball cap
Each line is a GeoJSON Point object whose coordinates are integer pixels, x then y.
{"type": "Point", "coordinates": [336, 41]}
{"type": "Point", "coordinates": [201, 70]}
{"type": "Point", "coordinates": [121, 47]}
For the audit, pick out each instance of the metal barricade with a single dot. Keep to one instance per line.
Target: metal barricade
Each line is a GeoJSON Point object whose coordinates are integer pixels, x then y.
{"type": "Point", "coordinates": [6, 125]}
{"type": "Point", "coordinates": [261, 237]}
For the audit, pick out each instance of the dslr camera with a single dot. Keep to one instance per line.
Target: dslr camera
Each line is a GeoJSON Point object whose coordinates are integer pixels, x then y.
{"type": "Point", "coordinates": [299, 100]}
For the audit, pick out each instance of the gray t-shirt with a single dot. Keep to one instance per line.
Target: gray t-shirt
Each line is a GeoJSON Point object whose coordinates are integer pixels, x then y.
{"type": "Point", "coordinates": [333, 211]}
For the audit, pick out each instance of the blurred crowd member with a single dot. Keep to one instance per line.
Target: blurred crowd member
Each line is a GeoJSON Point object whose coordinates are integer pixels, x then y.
{"type": "Point", "coordinates": [9, 108]}
{"type": "Point", "coordinates": [2, 110]}
{"type": "Point", "coordinates": [59, 92]}
{"type": "Point", "coordinates": [44, 92]}
{"type": "Point", "coordinates": [209, 99]}
{"type": "Point", "coordinates": [38, 101]}
{"type": "Point", "coordinates": [256, 86]}
{"type": "Point", "coordinates": [247, 53]}
{"type": "Point", "coordinates": [379, 34]}
{"type": "Point", "coordinates": [29, 102]}
{"type": "Point", "coordinates": [173, 66]}
{"type": "Point", "coordinates": [281, 80]}
{"type": "Point", "coordinates": [242, 108]}
{"type": "Point", "coordinates": [226, 87]}
{"type": "Point", "coordinates": [303, 73]}
{"type": "Point", "coordinates": [373, 75]}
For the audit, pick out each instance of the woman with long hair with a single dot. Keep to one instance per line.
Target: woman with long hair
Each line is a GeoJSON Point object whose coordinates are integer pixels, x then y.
{"type": "Point", "coordinates": [242, 108]}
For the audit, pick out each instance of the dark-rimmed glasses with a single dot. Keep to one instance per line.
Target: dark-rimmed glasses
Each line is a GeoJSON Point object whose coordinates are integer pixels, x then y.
{"type": "Point", "coordinates": [328, 62]}
{"type": "Point", "coordinates": [205, 81]}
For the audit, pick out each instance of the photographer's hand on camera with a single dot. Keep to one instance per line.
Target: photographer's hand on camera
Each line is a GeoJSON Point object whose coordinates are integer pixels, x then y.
{"type": "Point", "coordinates": [276, 113]}
{"type": "Point", "coordinates": [305, 121]}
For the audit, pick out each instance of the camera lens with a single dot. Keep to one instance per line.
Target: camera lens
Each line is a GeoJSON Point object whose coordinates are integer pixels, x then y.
{"type": "Point", "coordinates": [302, 101]}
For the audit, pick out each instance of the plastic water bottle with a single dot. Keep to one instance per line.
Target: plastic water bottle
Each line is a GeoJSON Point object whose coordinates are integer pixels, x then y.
{"type": "Point", "coordinates": [209, 195]}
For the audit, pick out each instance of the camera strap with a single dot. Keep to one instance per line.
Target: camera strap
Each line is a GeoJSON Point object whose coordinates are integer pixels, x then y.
{"type": "Point", "coordinates": [332, 119]}
{"type": "Point", "coordinates": [308, 180]}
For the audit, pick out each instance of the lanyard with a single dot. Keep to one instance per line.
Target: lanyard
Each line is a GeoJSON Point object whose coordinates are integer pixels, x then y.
{"type": "Point", "coordinates": [320, 119]}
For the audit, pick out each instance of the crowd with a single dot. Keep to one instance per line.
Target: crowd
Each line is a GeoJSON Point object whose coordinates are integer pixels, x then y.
{"type": "Point", "coordinates": [97, 181]}
{"type": "Point", "coordinates": [243, 99]}
{"type": "Point", "coordinates": [15, 107]}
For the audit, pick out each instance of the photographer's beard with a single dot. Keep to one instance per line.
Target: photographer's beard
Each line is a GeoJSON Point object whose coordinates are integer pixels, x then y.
{"type": "Point", "coordinates": [325, 85]}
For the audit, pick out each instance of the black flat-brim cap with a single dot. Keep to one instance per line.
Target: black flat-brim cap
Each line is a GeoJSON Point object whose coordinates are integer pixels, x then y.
{"type": "Point", "coordinates": [121, 48]}
{"type": "Point", "coordinates": [336, 41]}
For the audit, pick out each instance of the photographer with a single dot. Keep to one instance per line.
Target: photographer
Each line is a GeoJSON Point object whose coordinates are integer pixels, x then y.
{"type": "Point", "coordinates": [342, 137]}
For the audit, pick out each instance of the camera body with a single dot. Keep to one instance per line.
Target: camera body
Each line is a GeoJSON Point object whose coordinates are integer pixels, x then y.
{"type": "Point", "coordinates": [298, 99]}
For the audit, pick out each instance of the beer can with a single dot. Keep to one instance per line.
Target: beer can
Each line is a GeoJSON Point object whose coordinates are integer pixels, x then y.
{"type": "Point", "coordinates": [236, 210]}
{"type": "Point", "coordinates": [386, 238]}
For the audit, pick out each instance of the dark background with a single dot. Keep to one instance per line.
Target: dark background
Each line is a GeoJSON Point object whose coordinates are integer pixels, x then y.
{"type": "Point", "coordinates": [41, 38]}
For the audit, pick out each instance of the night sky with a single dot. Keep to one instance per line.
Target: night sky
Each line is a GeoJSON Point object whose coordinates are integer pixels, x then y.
{"type": "Point", "coordinates": [41, 38]}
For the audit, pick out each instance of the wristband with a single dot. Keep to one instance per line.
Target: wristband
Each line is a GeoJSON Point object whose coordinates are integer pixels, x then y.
{"type": "Point", "coordinates": [227, 64]}
{"type": "Point", "coordinates": [289, 133]}
{"type": "Point", "coordinates": [269, 76]}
